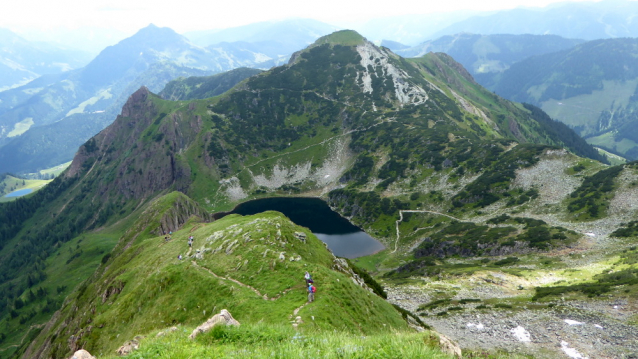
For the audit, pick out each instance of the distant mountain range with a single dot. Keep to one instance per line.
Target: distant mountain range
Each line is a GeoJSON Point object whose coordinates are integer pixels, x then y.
{"type": "Point", "coordinates": [289, 33]}
{"type": "Point", "coordinates": [270, 43]}
{"type": "Point", "coordinates": [486, 55]}
{"type": "Point", "coordinates": [577, 20]}
{"type": "Point", "coordinates": [43, 122]}
{"type": "Point", "coordinates": [22, 61]}
{"type": "Point", "coordinates": [372, 132]}
{"type": "Point", "coordinates": [154, 56]}
{"type": "Point", "coordinates": [592, 87]}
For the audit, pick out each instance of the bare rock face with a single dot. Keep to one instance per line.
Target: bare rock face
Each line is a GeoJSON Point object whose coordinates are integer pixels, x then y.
{"type": "Point", "coordinates": [224, 317]}
{"type": "Point", "coordinates": [82, 354]}
{"type": "Point", "coordinates": [449, 347]}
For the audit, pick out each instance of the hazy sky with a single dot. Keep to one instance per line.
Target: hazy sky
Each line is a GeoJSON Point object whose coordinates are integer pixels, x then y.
{"type": "Point", "coordinates": [186, 15]}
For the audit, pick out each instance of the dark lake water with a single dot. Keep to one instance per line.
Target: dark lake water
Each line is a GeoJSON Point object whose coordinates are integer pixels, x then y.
{"type": "Point", "coordinates": [342, 237]}
{"type": "Point", "coordinates": [19, 193]}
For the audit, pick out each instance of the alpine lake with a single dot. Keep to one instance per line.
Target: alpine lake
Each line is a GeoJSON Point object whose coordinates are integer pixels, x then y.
{"type": "Point", "coordinates": [19, 193]}
{"type": "Point", "coordinates": [343, 238]}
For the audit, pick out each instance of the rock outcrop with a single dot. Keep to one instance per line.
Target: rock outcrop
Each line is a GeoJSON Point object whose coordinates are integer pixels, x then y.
{"type": "Point", "coordinates": [128, 347]}
{"type": "Point", "coordinates": [224, 317]}
{"type": "Point", "coordinates": [449, 347]}
{"type": "Point", "coordinates": [82, 354]}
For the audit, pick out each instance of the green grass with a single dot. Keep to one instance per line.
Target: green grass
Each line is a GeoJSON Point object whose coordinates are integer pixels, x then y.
{"type": "Point", "coordinates": [608, 140]}
{"type": "Point", "coordinates": [11, 184]}
{"type": "Point", "coordinates": [585, 109]}
{"type": "Point", "coordinates": [343, 37]}
{"type": "Point", "coordinates": [56, 170]}
{"type": "Point", "coordinates": [279, 341]}
{"type": "Point", "coordinates": [151, 289]}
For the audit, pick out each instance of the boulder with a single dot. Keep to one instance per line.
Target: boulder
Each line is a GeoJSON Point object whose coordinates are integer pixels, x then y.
{"type": "Point", "coordinates": [449, 347]}
{"type": "Point", "coordinates": [82, 354]}
{"type": "Point", "coordinates": [224, 317]}
{"type": "Point", "coordinates": [127, 348]}
{"type": "Point", "coordinates": [300, 236]}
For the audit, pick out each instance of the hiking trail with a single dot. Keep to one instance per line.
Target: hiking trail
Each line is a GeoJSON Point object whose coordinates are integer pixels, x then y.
{"type": "Point", "coordinates": [398, 221]}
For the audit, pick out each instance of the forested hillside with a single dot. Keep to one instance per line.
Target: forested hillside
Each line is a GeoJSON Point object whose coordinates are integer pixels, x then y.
{"type": "Point", "coordinates": [591, 87]}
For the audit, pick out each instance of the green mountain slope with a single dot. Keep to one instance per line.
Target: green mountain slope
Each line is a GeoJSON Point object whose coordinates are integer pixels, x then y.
{"type": "Point", "coordinates": [372, 132]}
{"type": "Point", "coordinates": [152, 57]}
{"type": "Point", "coordinates": [591, 87]}
{"type": "Point", "coordinates": [198, 88]}
{"type": "Point", "coordinates": [486, 55]}
{"type": "Point", "coordinates": [253, 266]}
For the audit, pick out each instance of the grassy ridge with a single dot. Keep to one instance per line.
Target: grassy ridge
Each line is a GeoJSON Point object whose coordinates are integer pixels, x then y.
{"type": "Point", "coordinates": [273, 341]}
{"type": "Point", "coordinates": [253, 266]}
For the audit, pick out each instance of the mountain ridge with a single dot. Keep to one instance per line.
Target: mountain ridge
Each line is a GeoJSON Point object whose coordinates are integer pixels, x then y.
{"type": "Point", "coordinates": [376, 134]}
{"type": "Point", "coordinates": [583, 89]}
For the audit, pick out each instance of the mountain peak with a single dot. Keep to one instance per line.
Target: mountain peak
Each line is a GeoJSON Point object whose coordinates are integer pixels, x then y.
{"type": "Point", "coordinates": [342, 37]}
{"type": "Point", "coordinates": [154, 30]}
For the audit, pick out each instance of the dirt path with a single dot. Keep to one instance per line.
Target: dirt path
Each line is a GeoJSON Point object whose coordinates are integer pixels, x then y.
{"type": "Point", "coordinates": [398, 221]}
{"type": "Point", "coordinates": [23, 337]}
{"type": "Point", "coordinates": [265, 297]}
{"type": "Point", "coordinates": [322, 143]}
{"type": "Point", "coordinates": [296, 311]}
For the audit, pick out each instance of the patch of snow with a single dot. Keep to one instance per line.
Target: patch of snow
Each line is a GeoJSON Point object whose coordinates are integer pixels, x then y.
{"type": "Point", "coordinates": [590, 234]}
{"type": "Point", "coordinates": [571, 352]}
{"type": "Point", "coordinates": [598, 326]}
{"type": "Point", "coordinates": [478, 326]}
{"type": "Point", "coordinates": [572, 322]}
{"type": "Point", "coordinates": [521, 334]}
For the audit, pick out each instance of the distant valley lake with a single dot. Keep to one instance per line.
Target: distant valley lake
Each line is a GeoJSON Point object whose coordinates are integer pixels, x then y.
{"type": "Point", "coordinates": [20, 192]}
{"type": "Point", "coordinates": [342, 237]}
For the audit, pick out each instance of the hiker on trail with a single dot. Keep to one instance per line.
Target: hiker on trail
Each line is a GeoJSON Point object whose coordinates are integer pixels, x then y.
{"type": "Point", "coordinates": [308, 278]}
{"type": "Point", "coordinates": [179, 257]}
{"type": "Point", "coordinates": [311, 293]}
{"type": "Point", "coordinates": [190, 241]}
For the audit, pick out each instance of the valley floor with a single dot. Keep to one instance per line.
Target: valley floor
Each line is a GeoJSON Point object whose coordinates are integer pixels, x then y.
{"type": "Point", "coordinates": [491, 309]}
{"type": "Point", "coordinates": [592, 328]}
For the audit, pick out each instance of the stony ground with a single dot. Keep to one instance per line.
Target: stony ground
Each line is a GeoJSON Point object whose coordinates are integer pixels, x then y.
{"type": "Point", "coordinates": [576, 329]}
{"type": "Point", "coordinates": [602, 327]}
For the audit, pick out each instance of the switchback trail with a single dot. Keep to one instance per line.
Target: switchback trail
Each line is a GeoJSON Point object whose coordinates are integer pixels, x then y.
{"type": "Point", "coordinates": [247, 167]}
{"type": "Point", "coordinates": [264, 296]}
{"type": "Point", "coordinates": [398, 221]}
{"type": "Point", "coordinates": [232, 280]}
{"type": "Point", "coordinates": [23, 337]}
